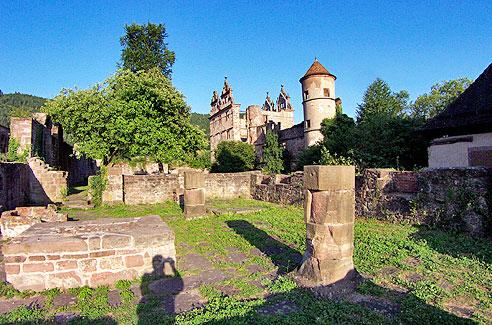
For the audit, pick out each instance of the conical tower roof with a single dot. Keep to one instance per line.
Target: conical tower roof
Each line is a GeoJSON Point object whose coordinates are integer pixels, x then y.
{"type": "Point", "coordinates": [317, 69]}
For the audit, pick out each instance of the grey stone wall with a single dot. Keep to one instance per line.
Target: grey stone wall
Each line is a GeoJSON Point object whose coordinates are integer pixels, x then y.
{"type": "Point", "coordinates": [149, 189]}
{"type": "Point", "coordinates": [283, 189]}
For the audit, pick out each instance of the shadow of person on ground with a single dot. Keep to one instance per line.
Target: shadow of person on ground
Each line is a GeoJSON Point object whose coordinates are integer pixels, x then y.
{"type": "Point", "coordinates": [281, 255]}
{"type": "Point", "coordinates": [159, 288]}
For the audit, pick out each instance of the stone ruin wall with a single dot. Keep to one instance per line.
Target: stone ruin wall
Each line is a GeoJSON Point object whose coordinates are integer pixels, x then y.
{"type": "Point", "coordinates": [14, 185]}
{"type": "Point", "coordinates": [34, 183]}
{"type": "Point", "coordinates": [124, 186]}
{"type": "Point", "coordinates": [92, 253]}
{"type": "Point", "coordinates": [453, 198]}
{"type": "Point", "coordinates": [283, 189]}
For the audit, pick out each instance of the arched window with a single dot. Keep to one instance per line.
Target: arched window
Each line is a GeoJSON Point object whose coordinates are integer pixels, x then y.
{"type": "Point", "coordinates": [326, 92]}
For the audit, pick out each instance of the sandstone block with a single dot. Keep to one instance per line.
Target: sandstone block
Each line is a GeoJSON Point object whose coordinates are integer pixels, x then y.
{"type": "Point", "coordinates": [134, 261]}
{"type": "Point", "coordinates": [64, 280]}
{"type": "Point", "coordinates": [326, 178]}
{"type": "Point", "coordinates": [115, 241]}
{"type": "Point", "coordinates": [194, 179]}
{"type": "Point", "coordinates": [192, 211]}
{"type": "Point", "coordinates": [332, 207]}
{"type": "Point", "coordinates": [37, 267]}
{"type": "Point", "coordinates": [194, 196]}
{"type": "Point", "coordinates": [337, 234]}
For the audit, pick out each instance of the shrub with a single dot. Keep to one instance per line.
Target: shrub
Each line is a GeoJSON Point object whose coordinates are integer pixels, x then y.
{"type": "Point", "coordinates": [309, 156]}
{"type": "Point", "coordinates": [234, 156]}
{"type": "Point", "coordinates": [13, 154]}
{"type": "Point", "coordinates": [97, 185]}
{"type": "Point", "coordinates": [273, 154]}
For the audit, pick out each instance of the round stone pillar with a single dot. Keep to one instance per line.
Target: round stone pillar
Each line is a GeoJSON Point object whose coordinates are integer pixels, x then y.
{"type": "Point", "coordinates": [329, 210]}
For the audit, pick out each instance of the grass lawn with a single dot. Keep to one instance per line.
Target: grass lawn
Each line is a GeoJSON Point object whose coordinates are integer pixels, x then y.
{"type": "Point", "coordinates": [414, 275]}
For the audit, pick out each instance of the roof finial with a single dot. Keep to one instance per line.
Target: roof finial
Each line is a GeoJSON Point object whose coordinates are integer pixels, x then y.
{"type": "Point", "coordinates": [316, 59]}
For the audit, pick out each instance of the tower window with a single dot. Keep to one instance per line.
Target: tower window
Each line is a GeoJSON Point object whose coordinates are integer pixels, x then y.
{"type": "Point", "coordinates": [326, 92]}
{"type": "Point", "coordinates": [308, 124]}
{"type": "Point", "coordinates": [306, 94]}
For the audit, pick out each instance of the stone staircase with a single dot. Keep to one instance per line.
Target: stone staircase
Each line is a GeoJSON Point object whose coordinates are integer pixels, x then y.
{"type": "Point", "coordinates": [78, 201]}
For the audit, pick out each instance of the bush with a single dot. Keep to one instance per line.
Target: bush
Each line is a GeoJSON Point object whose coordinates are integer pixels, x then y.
{"type": "Point", "coordinates": [97, 185]}
{"type": "Point", "coordinates": [13, 154]}
{"type": "Point", "coordinates": [234, 156]}
{"type": "Point", "coordinates": [273, 154]}
{"type": "Point", "coordinates": [309, 156]}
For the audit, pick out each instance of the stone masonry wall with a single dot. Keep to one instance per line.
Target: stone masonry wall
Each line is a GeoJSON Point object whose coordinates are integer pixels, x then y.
{"type": "Point", "coordinates": [92, 253]}
{"type": "Point", "coordinates": [228, 185]}
{"type": "Point", "coordinates": [46, 185]}
{"type": "Point", "coordinates": [283, 189]}
{"type": "Point", "coordinates": [14, 185]}
{"type": "Point", "coordinates": [150, 189]}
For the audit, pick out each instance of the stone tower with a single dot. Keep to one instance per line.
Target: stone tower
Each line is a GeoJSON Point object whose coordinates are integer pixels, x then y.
{"type": "Point", "coordinates": [318, 101]}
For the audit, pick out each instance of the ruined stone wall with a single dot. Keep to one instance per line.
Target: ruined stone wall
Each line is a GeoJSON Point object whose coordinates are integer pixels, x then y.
{"type": "Point", "coordinates": [4, 139]}
{"type": "Point", "coordinates": [46, 185]}
{"type": "Point", "coordinates": [447, 198]}
{"type": "Point", "coordinates": [150, 189]}
{"type": "Point", "coordinates": [14, 185]}
{"type": "Point", "coordinates": [283, 189]}
{"type": "Point", "coordinates": [92, 253]}
{"type": "Point", "coordinates": [228, 185]}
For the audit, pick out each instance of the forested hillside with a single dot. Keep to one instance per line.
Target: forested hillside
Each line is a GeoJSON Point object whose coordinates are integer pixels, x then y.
{"type": "Point", "coordinates": [18, 104]}
{"type": "Point", "coordinates": [201, 120]}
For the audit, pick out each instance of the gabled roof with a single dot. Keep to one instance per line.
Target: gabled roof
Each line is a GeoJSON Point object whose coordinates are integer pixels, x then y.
{"type": "Point", "coordinates": [471, 112]}
{"type": "Point", "coordinates": [316, 69]}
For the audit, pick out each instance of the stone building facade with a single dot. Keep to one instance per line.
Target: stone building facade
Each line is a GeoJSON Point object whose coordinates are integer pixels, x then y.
{"type": "Point", "coordinates": [228, 122]}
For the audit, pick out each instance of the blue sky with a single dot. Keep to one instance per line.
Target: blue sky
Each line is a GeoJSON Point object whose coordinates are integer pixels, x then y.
{"type": "Point", "coordinates": [48, 45]}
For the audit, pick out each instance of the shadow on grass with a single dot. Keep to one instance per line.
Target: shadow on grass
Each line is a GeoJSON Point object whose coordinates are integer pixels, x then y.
{"type": "Point", "coordinates": [456, 244]}
{"type": "Point", "coordinates": [281, 255]}
{"type": "Point", "coordinates": [302, 306]}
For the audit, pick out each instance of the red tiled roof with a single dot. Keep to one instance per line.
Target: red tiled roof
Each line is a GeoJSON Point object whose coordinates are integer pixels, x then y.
{"type": "Point", "coordinates": [317, 69]}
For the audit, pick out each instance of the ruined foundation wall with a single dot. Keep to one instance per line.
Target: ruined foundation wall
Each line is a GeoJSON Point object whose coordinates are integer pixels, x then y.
{"type": "Point", "coordinates": [14, 185]}
{"type": "Point", "coordinates": [283, 189]}
{"type": "Point", "coordinates": [46, 185]}
{"type": "Point", "coordinates": [228, 185]}
{"type": "Point", "coordinates": [92, 253]}
{"type": "Point", "coordinates": [150, 189]}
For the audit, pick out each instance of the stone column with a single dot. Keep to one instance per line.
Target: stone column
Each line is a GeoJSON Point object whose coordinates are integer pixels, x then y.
{"type": "Point", "coordinates": [329, 208]}
{"type": "Point", "coordinates": [194, 194]}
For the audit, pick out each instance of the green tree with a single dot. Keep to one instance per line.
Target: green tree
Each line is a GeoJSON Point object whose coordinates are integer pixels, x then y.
{"type": "Point", "coordinates": [129, 115]}
{"type": "Point", "coordinates": [380, 100]}
{"type": "Point", "coordinates": [145, 47]}
{"type": "Point", "coordinates": [339, 134]}
{"type": "Point", "coordinates": [234, 156]}
{"type": "Point", "coordinates": [273, 154]}
{"type": "Point", "coordinates": [441, 95]}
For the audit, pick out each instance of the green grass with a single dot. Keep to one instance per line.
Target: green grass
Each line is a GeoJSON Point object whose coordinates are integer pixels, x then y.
{"type": "Point", "coordinates": [424, 272]}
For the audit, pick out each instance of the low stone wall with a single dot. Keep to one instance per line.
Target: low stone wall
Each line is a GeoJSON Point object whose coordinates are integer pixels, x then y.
{"type": "Point", "coordinates": [15, 222]}
{"type": "Point", "coordinates": [46, 185]}
{"type": "Point", "coordinates": [125, 187]}
{"type": "Point", "coordinates": [150, 189]}
{"type": "Point", "coordinates": [447, 198]}
{"type": "Point", "coordinates": [283, 189]}
{"type": "Point", "coordinates": [92, 253]}
{"type": "Point", "coordinates": [228, 185]}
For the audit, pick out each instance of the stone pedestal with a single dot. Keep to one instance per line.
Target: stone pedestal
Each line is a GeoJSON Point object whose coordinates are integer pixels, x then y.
{"type": "Point", "coordinates": [329, 209]}
{"type": "Point", "coordinates": [194, 194]}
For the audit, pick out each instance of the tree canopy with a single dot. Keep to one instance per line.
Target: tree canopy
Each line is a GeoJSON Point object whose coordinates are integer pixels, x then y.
{"type": "Point", "coordinates": [234, 156]}
{"type": "Point", "coordinates": [273, 154]}
{"type": "Point", "coordinates": [131, 114]}
{"type": "Point", "coordinates": [145, 47]}
{"type": "Point", "coordinates": [440, 96]}
{"type": "Point", "coordinates": [380, 100]}
{"type": "Point", "coordinates": [19, 105]}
